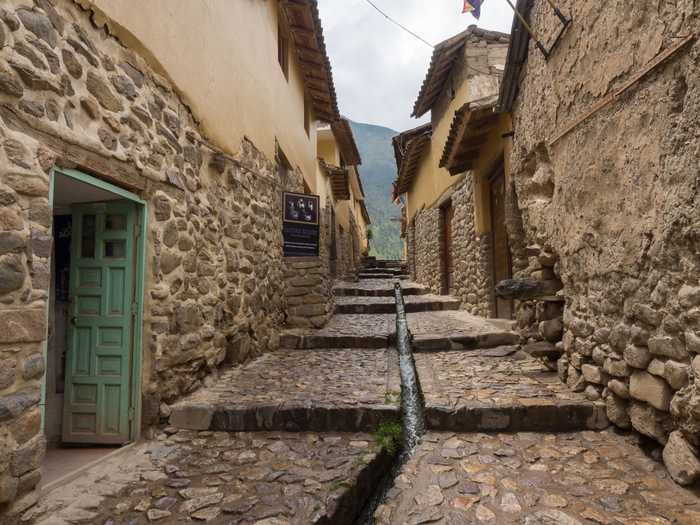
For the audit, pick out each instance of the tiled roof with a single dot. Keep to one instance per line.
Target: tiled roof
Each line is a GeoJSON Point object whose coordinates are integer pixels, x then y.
{"type": "Point", "coordinates": [346, 142]}
{"type": "Point", "coordinates": [307, 33]}
{"type": "Point", "coordinates": [444, 57]}
{"type": "Point", "coordinates": [408, 150]}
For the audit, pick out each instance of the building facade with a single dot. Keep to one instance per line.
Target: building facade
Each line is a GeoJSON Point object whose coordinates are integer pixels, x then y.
{"type": "Point", "coordinates": [449, 246]}
{"type": "Point", "coordinates": [141, 209]}
{"type": "Point", "coordinates": [604, 205]}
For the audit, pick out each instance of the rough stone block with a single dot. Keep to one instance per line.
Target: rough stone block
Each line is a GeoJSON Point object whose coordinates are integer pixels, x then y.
{"type": "Point", "coordinates": [8, 487]}
{"type": "Point", "coordinates": [692, 342]}
{"type": "Point", "coordinates": [689, 296]}
{"type": "Point", "coordinates": [637, 356]}
{"type": "Point", "coordinates": [616, 368]}
{"type": "Point", "coordinates": [652, 389]}
{"type": "Point", "coordinates": [617, 410]}
{"type": "Point", "coordinates": [681, 459]}
{"type": "Point", "coordinates": [619, 388]}
{"type": "Point", "coordinates": [191, 416]}
{"type": "Point", "coordinates": [28, 457]}
{"type": "Point", "coordinates": [15, 404]}
{"type": "Point", "coordinates": [594, 374]}
{"type": "Point", "coordinates": [668, 347]}
{"type": "Point", "coordinates": [649, 421]}
{"type": "Point", "coordinates": [676, 374]}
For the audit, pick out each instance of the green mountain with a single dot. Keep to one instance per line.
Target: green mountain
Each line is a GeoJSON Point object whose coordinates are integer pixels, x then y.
{"type": "Point", "coordinates": [378, 171]}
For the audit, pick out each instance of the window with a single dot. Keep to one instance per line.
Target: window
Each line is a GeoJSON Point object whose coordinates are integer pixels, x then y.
{"type": "Point", "coordinates": [283, 51]}
{"type": "Point", "coordinates": [307, 116]}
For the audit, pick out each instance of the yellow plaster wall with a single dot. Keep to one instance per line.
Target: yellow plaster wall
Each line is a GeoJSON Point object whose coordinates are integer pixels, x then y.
{"type": "Point", "coordinates": [496, 148]}
{"type": "Point", "coordinates": [243, 91]}
{"type": "Point", "coordinates": [463, 85]}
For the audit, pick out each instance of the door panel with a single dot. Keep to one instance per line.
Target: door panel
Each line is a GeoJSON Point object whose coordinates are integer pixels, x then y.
{"type": "Point", "coordinates": [447, 259]}
{"type": "Point", "coordinates": [500, 250]}
{"type": "Point", "coordinates": [96, 407]}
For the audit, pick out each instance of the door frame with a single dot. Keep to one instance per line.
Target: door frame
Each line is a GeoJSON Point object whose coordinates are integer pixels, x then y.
{"type": "Point", "coordinates": [446, 251]}
{"type": "Point", "coordinates": [497, 171]}
{"type": "Point", "coordinates": [139, 290]}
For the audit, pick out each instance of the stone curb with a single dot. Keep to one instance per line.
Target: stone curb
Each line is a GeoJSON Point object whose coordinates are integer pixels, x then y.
{"type": "Point", "coordinates": [385, 292]}
{"type": "Point", "coordinates": [560, 417]}
{"type": "Point", "coordinates": [193, 416]}
{"type": "Point", "coordinates": [434, 343]}
{"type": "Point", "coordinates": [390, 308]}
{"type": "Point", "coordinates": [317, 342]}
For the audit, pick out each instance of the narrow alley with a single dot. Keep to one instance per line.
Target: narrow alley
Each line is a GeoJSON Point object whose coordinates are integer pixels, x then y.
{"type": "Point", "coordinates": [360, 262]}
{"type": "Point", "coordinates": [303, 435]}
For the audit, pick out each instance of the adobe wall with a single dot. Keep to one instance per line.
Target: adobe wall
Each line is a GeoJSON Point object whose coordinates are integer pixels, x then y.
{"type": "Point", "coordinates": [72, 96]}
{"type": "Point", "coordinates": [616, 202]}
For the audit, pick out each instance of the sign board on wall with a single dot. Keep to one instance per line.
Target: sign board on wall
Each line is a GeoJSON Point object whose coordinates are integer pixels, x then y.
{"type": "Point", "coordinates": [301, 225]}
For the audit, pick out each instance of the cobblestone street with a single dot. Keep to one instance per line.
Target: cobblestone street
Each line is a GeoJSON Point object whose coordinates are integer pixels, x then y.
{"type": "Point", "coordinates": [536, 479]}
{"type": "Point", "coordinates": [291, 437]}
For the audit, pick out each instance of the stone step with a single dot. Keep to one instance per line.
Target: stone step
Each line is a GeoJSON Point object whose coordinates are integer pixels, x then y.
{"type": "Point", "coordinates": [458, 330]}
{"type": "Point", "coordinates": [479, 391]}
{"type": "Point", "coordinates": [382, 276]}
{"type": "Point", "coordinates": [351, 390]}
{"type": "Point", "coordinates": [387, 305]}
{"type": "Point", "coordinates": [376, 288]}
{"type": "Point", "coordinates": [344, 331]}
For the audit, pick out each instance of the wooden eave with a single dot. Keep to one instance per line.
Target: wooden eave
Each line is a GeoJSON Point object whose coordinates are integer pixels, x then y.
{"type": "Point", "coordinates": [411, 161]}
{"type": "Point", "coordinates": [340, 180]}
{"type": "Point", "coordinates": [306, 31]}
{"type": "Point", "coordinates": [469, 132]}
{"type": "Point", "coordinates": [517, 56]}
{"type": "Point", "coordinates": [342, 131]}
{"type": "Point", "coordinates": [442, 61]}
{"type": "Point", "coordinates": [365, 213]}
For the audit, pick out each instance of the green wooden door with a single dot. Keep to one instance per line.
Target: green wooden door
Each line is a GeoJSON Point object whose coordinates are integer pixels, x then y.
{"type": "Point", "coordinates": [98, 361]}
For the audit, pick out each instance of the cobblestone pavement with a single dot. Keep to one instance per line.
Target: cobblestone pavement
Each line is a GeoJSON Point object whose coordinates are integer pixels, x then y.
{"type": "Point", "coordinates": [345, 331]}
{"type": "Point", "coordinates": [349, 389]}
{"type": "Point", "coordinates": [584, 478]}
{"type": "Point", "coordinates": [491, 390]}
{"type": "Point", "coordinates": [224, 478]}
{"type": "Point", "coordinates": [377, 287]}
{"type": "Point", "coordinates": [458, 330]}
{"type": "Point", "coordinates": [414, 303]}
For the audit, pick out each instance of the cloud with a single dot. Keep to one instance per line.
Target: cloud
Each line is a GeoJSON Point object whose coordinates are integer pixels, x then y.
{"type": "Point", "coordinates": [377, 67]}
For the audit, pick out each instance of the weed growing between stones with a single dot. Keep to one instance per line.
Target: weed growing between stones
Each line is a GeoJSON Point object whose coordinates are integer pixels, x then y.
{"type": "Point", "coordinates": [389, 436]}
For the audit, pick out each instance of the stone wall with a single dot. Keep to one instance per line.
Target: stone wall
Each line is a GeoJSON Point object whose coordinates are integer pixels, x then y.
{"type": "Point", "coordinates": [427, 249]}
{"type": "Point", "coordinates": [472, 273]}
{"type": "Point", "coordinates": [74, 97]}
{"type": "Point", "coordinates": [309, 282]}
{"type": "Point", "coordinates": [616, 202]}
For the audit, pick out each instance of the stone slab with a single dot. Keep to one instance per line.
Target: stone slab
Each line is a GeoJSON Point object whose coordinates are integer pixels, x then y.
{"type": "Point", "coordinates": [535, 479]}
{"type": "Point", "coordinates": [344, 331]}
{"type": "Point", "coordinates": [223, 478]}
{"type": "Point", "coordinates": [377, 288]}
{"type": "Point", "coordinates": [325, 390]}
{"type": "Point", "coordinates": [455, 330]}
{"type": "Point", "coordinates": [387, 305]}
{"type": "Point", "coordinates": [469, 391]}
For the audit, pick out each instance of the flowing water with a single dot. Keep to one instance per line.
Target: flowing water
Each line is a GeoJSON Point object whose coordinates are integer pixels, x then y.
{"type": "Point", "coordinates": [412, 413]}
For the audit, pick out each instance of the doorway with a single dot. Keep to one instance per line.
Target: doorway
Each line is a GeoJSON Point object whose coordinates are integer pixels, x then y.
{"type": "Point", "coordinates": [446, 248]}
{"type": "Point", "coordinates": [501, 264]}
{"type": "Point", "coordinates": [91, 391]}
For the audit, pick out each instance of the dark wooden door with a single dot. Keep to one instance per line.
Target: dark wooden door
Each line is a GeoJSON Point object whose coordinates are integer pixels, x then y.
{"type": "Point", "coordinates": [500, 250]}
{"type": "Point", "coordinates": [447, 249]}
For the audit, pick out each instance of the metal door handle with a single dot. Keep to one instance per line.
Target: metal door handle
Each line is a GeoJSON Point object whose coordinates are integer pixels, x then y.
{"type": "Point", "coordinates": [73, 320]}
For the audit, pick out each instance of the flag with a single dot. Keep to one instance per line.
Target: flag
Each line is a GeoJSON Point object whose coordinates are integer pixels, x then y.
{"type": "Point", "coordinates": [473, 7]}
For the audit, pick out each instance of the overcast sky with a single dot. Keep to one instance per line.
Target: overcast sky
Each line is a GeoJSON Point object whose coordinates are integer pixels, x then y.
{"type": "Point", "coordinates": [377, 67]}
